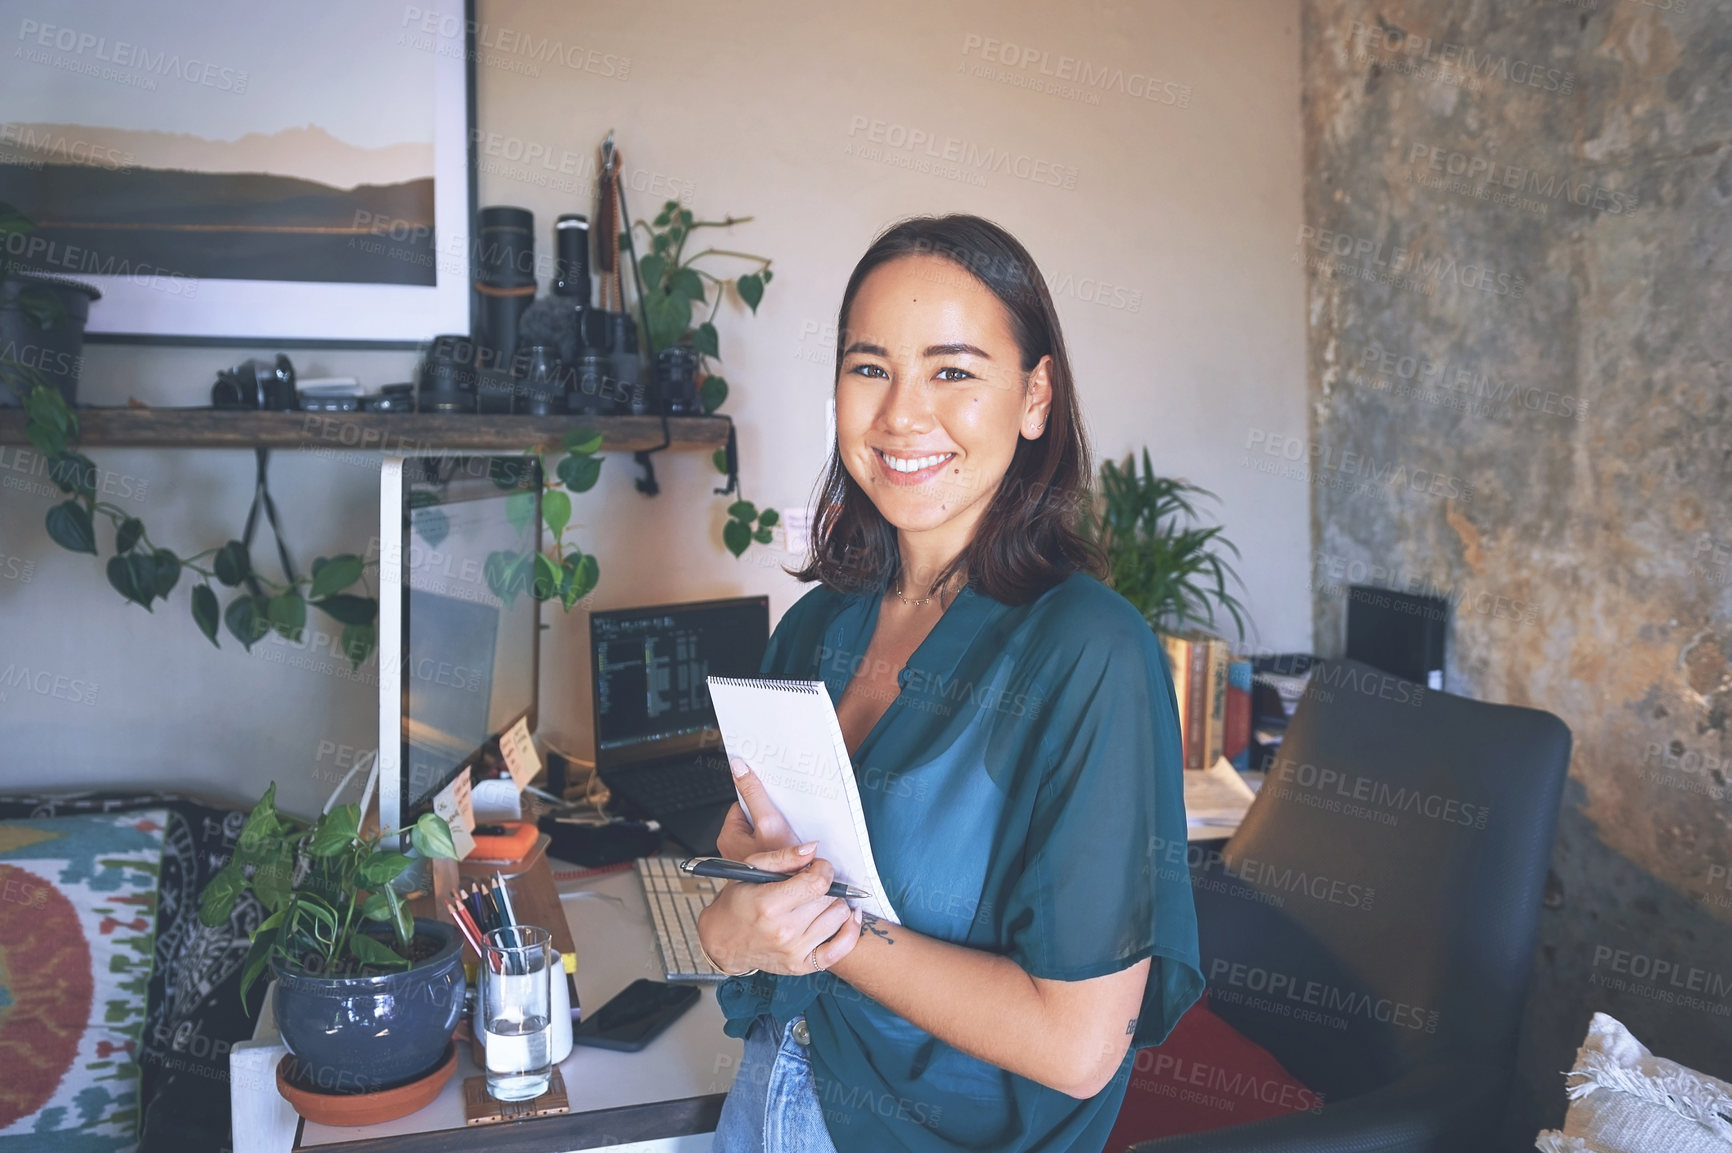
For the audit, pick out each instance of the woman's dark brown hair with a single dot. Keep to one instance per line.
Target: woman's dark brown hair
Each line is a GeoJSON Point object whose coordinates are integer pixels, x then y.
{"type": "Point", "coordinates": [1027, 541]}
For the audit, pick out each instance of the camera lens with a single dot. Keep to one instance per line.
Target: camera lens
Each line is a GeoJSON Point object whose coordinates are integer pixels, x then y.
{"type": "Point", "coordinates": [571, 258]}
{"type": "Point", "coordinates": [543, 381]}
{"type": "Point", "coordinates": [593, 394]}
{"type": "Point", "coordinates": [447, 379]}
{"type": "Point", "coordinates": [593, 332]}
{"type": "Point", "coordinates": [628, 365]}
{"type": "Point", "coordinates": [676, 379]}
{"type": "Point", "coordinates": [505, 286]}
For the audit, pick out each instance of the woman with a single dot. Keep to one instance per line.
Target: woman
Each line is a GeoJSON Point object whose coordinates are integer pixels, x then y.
{"type": "Point", "coordinates": [1013, 733]}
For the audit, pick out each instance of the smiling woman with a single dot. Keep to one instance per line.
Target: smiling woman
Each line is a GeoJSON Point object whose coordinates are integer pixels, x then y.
{"type": "Point", "coordinates": [947, 335]}
{"type": "Point", "coordinates": [1012, 728]}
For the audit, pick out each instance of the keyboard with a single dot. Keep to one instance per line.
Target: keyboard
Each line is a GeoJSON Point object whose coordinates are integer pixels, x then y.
{"type": "Point", "coordinates": [675, 900]}
{"type": "Point", "coordinates": [676, 786]}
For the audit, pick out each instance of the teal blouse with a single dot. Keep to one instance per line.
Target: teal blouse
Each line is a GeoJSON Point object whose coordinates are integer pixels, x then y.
{"type": "Point", "coordinates": [1023, 795]}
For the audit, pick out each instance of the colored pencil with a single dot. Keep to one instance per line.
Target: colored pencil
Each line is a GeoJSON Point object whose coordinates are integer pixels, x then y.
{"type": "Point", "coordinates": [462, 924]}
{"type": "Point", "coordinates": [505, 899]}
{"type": "Point", "coordinates": [465, 920]}
{"type": "Point", "coordinates": [481, 939]}
{"type": "Point", "coordinates": [472, 898]}
{"type": "Point", "coordinates": [491, 903]}
{"type": "Point", "coordinates": [460, 918]}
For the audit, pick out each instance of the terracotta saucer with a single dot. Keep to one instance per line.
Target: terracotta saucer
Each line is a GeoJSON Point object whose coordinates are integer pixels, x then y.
{"type": "Point", "coordinates": [351, 1109]}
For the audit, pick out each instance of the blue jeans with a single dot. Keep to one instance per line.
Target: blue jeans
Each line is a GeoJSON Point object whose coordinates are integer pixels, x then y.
{"type": "Point", "coordinates": [773, 1105]}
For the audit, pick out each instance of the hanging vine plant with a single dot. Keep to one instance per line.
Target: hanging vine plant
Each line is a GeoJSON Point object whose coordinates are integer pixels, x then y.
{"type": "Point", "coordinates": [563, 572]}
{"type": "Point", "coordinates": [143, 572]}
{"type": "Point", "coordinates": [677, 290]}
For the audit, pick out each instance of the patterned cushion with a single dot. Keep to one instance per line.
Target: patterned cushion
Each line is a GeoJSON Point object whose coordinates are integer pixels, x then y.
{"type": "Point", "coordinates": [78, 900]}
{"type": "Point", "coordinates": [195, 1011]}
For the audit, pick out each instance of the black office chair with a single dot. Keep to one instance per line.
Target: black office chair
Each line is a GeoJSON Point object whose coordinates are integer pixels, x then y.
{"type": "Point", "coordinates": [1404, 1014]}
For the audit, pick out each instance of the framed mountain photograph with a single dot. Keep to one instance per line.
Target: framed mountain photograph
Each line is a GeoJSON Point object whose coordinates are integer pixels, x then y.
{"type": "Point", "coordinates": [232, 174]}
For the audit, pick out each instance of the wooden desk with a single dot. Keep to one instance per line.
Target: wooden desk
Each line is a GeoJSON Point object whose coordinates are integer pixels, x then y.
{"type": "Point", "coordinates": [534, 895]}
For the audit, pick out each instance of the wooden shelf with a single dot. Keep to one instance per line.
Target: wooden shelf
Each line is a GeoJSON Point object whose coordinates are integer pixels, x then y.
{"type": "Point", "coordinates": [401, 433]}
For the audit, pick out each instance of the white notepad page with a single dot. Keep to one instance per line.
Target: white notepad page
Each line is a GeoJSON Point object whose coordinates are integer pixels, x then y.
{"type": "Point", "coordinates": [788, 733]}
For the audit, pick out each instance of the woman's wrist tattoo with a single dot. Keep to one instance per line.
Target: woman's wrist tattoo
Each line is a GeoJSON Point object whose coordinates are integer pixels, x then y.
{"type": "Point", "coordinates": [871, 924]}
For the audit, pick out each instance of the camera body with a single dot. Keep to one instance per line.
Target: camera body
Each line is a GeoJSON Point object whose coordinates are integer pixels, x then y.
{"type": "Point", "coordinates": [257, 384]}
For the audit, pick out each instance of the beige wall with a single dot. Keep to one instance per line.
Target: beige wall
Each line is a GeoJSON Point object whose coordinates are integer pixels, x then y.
{"type": "Point", "coordinates": [1186, 213]}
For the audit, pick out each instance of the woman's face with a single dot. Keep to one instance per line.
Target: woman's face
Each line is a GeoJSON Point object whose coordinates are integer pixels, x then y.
{"type": "Point", "coordinates": [932, 399]}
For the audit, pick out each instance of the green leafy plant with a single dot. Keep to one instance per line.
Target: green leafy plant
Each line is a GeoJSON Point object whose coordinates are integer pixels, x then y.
{"type": "Point", "coordinates": [748, 523]}
{"type": "Point", "coordinates": [563, 572]}
{"type": "Point", "coordinates": [677, 291]}
{"type": "Point", "coordinates": [1159, 558]}
{"type": "Point", "coordinates": [674, 286]}
{"type": "Point", "coordinates": [326, 890]}
{"type": "Point", "coordinates": [143, 572]}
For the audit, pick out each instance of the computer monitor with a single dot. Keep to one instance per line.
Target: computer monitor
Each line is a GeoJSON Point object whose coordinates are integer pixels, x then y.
{"type": "Point", "coordinates": [459, 632]}
{"type": "Point", "coordinates": [648, 668]}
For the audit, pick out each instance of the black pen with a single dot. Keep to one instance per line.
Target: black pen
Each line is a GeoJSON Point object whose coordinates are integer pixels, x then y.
{"type": "Point", "coordinates": [740, 871]}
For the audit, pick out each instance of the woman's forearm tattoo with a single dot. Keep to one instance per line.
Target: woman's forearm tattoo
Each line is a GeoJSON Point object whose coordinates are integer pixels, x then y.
{"type": "Point", "coordinates": [871, 924]}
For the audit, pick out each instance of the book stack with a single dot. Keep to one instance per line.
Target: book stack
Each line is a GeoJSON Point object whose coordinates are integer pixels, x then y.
{"type": "Point", "coordinates": [1200, 666]}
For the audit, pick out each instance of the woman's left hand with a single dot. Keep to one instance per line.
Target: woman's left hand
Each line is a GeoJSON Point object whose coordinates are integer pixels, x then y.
{"type": "Point", "coordinates": [793, 927]}
{"type": "Point", "coordinates": [767, 830]}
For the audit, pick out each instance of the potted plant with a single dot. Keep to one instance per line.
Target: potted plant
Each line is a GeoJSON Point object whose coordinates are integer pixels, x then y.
{"type": "Point", "coordinates": [1158, 558]}
{"type": "Point", "coordinates": [41, 320]}
{"type": "Point", "coordinates": [674, 284]}
{"type": "Point", "coordinates": [367, 995]}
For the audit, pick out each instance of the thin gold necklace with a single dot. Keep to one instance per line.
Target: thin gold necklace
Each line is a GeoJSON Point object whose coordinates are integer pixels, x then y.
{"type": "Point", "coordinates": [927, 599]}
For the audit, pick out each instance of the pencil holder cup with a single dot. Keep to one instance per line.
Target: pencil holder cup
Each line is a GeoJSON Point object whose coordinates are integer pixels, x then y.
{"type": "Point", "coordinates": [517, 1012]}
{"type": "Point", "coordinates": [559, 997]}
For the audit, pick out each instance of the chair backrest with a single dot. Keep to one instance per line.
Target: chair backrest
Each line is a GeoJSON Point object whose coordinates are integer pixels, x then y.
{"type": "Point", "coordinates": [1377, 909]}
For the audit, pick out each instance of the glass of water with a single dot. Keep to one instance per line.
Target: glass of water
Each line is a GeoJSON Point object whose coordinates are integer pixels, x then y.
{"type": "Point", "coordinates": [516, 1012]}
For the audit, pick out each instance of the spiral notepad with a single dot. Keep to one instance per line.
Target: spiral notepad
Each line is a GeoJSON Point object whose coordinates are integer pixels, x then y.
{"type": "Point", "coordinates": [788, 732]}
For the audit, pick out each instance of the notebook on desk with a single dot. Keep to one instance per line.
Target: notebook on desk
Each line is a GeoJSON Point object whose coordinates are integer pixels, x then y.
{"type": "Point", "coordinates": [656, 744]}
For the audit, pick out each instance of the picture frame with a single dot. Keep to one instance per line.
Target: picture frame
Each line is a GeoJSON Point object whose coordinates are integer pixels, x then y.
{"type": "Point", "coordinates": [361, 265]}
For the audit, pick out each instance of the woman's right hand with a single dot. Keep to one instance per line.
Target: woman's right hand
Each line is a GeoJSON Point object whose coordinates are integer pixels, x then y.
{"type": "Point", "coordinates": [780, 926]}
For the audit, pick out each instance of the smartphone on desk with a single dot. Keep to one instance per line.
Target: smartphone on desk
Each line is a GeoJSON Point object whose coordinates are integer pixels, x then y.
{"type": "Point", "coordinates": [633, 1018]}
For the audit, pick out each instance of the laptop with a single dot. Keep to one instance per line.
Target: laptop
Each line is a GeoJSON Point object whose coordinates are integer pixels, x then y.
{"type": "Point", "coordinates": [657, 746]}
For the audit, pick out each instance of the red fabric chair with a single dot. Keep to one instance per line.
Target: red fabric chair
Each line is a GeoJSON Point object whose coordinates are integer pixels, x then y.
{"type": "Point", "coordinates": [1206, 1076]}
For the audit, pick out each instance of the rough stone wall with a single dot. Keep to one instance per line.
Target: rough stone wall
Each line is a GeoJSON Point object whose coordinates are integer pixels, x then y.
{"type": "Point", "coordinates": [1516, 221]}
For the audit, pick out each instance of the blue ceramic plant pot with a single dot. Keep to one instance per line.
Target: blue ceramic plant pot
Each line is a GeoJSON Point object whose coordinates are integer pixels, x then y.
{"type": "Point", "coordinates": [362, 1034]}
